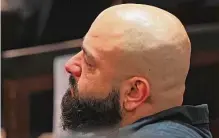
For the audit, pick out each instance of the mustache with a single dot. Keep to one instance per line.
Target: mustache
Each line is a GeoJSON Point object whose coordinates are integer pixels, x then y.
{"type": "Point", "coordinates": [73, 85]}
{"type": "Point", "coordinates": [72, 81]}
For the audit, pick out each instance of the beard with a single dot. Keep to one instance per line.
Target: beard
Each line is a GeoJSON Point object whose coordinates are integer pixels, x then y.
{"type": "Point", "coordinates": [84, 114]}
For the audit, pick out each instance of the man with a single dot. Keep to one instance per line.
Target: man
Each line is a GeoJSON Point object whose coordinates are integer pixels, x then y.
{"type": "Point", "coordinates": [129, 78]}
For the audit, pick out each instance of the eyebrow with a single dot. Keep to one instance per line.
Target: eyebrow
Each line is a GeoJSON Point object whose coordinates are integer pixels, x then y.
{"type": "Point", "coordinates": [87, 53]}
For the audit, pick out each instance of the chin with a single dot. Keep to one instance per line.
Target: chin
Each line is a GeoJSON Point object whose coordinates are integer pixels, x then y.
{"type": "Point", "coordinates": [82, 114]}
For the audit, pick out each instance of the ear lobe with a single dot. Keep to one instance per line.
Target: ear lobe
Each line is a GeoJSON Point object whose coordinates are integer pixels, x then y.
{"type": "Point", "coordinates": [138, 93]}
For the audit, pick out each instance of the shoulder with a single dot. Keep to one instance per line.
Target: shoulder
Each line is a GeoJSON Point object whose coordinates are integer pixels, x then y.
{"type": "Point", "coordinates": [166, 129]}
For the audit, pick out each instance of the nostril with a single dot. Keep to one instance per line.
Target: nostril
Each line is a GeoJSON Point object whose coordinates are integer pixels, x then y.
{"type": "Point", "coordinates": [76, 71]}
{"type": "Point", "coordinates": [73, 66]}
{"type": "Point", "coordinates": [73, 69]}
{"type": "Point", "coordinates": [67, 69]}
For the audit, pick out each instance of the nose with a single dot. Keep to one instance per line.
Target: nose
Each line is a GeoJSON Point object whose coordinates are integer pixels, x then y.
{"type": "Point", "coordinates": [73, 65]}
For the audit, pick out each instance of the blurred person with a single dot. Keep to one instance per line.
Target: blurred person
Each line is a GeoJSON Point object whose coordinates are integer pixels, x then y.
{"type": "Point", "coordinates": [3, 133]}
{"type": "Point", "coordinates": [46, 135]}
{"type": "Point", "coordinates": [129, 78]}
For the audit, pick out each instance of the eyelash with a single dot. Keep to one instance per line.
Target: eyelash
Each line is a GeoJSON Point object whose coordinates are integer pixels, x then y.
{"type": "Point", "coordinates": [89, 65]}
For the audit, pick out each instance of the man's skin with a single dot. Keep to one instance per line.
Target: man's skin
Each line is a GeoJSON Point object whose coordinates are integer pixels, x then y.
{"type": "Point", "coordinates": [142, 50]}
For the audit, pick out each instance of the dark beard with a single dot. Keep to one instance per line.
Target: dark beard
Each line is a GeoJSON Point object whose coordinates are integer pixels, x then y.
{"type": "Point", "coordinates": [84, 114]}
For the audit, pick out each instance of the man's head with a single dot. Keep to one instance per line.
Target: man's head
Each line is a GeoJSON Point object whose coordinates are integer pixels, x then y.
{"type": "Point", "coordinates": [133, 63]}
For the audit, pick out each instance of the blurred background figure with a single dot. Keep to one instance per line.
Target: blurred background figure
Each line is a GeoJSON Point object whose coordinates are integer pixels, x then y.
{"type": "Point", "coordinates": [35, 32]}
{"type": "Point", "coordinates": [34, 22]}
{"type": "Point", "coordinates": [3, 133]}
{"type": "Point", "coordinates": [46, 135]}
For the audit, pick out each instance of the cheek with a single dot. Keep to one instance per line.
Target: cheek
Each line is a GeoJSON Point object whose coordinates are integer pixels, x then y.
{"type": "Point", "coordinates": [124, 89]}
{"type": "Point", "coordinates": [89, 86]}
{"type": "Point", "coordinates": [122, 100]}
{"type": "Point", "coordinates": [85, 86]}
{"type": "Point", "coordinates": [85, 82]}
{"type": "Point", "coordinates": [94, 85]}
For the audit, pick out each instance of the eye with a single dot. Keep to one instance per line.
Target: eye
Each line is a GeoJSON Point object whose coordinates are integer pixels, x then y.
{"type": "Point", "coordinates": [87, 63]}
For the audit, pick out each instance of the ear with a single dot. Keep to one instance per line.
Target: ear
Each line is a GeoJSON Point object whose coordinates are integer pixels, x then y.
{"type": "Point", "coordinates": [137, 93]}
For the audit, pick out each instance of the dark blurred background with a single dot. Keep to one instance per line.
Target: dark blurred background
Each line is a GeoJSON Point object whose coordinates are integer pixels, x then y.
{"type": "Point", "coordinates": [34, 32]}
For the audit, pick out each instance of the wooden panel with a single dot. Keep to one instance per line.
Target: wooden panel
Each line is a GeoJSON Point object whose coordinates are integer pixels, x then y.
{"type": "Point", "coordinates": [27, 71]}
{"type": "Point", "coordinates": [204, 58]}
{"type": "Point", "coordinates": [15, 53]}
{"type": "Point", "coordinates": [16, 101]}
{"type": "Point", "coordinates": [21, 63]}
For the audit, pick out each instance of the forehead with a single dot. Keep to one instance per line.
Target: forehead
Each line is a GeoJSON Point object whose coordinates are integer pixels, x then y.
{"type": "Point", "coordinates": [105, 50]}
{"type": "Point", "coordinates": [102, 46]}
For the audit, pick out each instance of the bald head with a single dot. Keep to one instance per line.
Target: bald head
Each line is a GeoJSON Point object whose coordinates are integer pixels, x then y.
{"type": "Point", "coordinates": [145, 41]}
{"type": "Point", "coordinates": [138, 54]}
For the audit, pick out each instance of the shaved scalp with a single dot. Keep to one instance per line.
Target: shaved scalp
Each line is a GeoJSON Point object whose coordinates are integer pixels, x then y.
{"type": "Point", "coordinates": [147, 42]}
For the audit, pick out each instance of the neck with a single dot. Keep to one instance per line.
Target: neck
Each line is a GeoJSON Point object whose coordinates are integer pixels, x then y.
{"type": "Point", "coordinates": [142, 111]}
